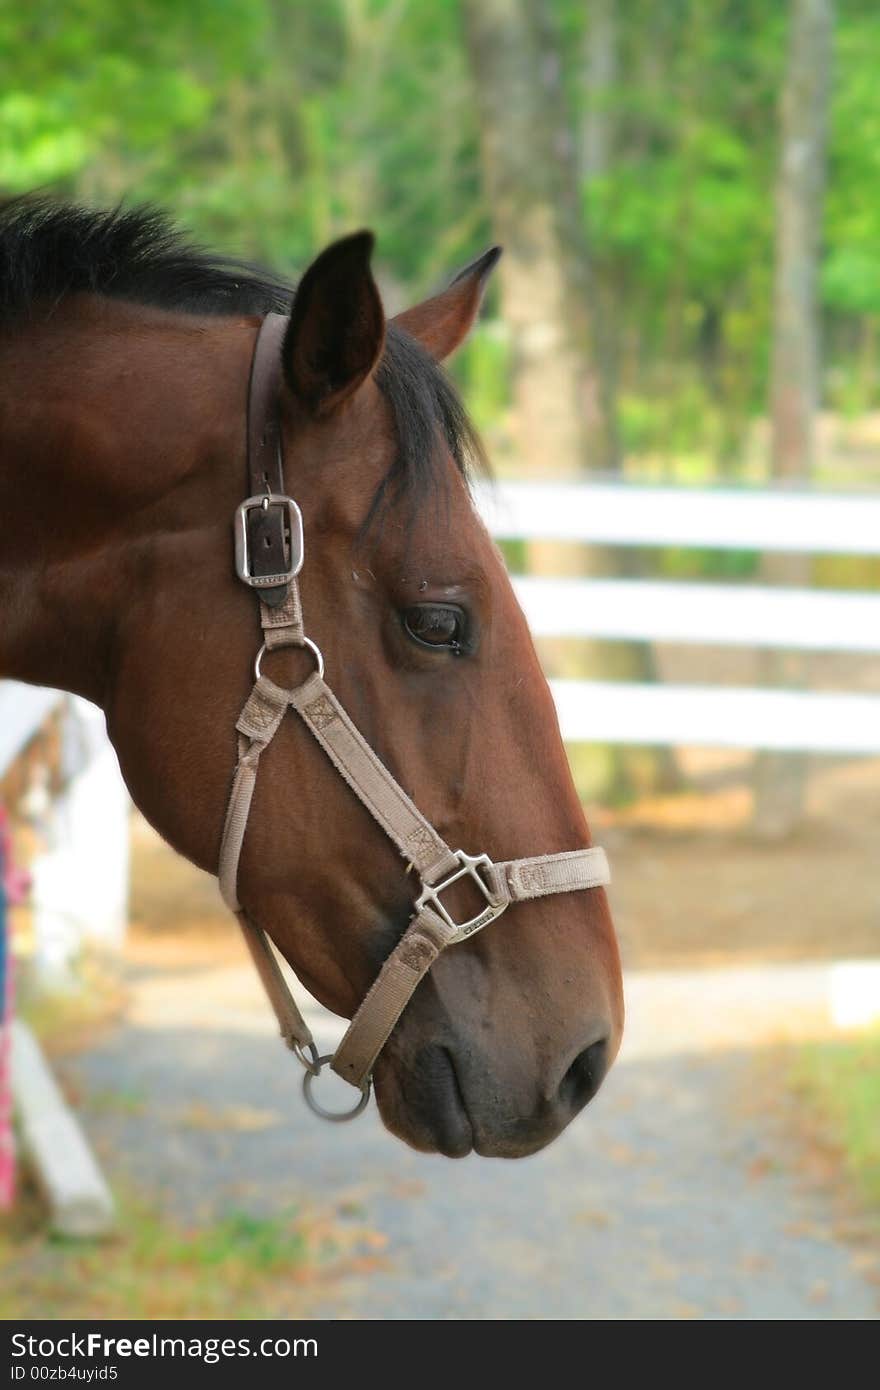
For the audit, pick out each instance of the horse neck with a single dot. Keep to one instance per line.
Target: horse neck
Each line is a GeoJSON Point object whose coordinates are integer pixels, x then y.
{"type": "Point", "coordinates": [118, 424]}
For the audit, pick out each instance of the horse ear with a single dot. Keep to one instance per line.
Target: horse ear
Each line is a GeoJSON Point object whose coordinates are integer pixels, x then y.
{"type": "Point", "coordinates": [337, 325]}
{"type": "Point", "coordinates": [442, 323]}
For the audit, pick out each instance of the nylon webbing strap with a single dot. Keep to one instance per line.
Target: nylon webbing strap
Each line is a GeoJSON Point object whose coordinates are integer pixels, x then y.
{"type": "Point", "coordinates": [237, 812]}
{"type": "Point", "coordinates": [370, 779]}
{"type": "Point", "coordinates": [391, 991]}
{"type": "Point", "coordinates": [257, 725]}
{"type": "Point", "coordinates": [568, 872]}
{"type": "Point", "coordinates": [294, 1029]}
{"type": "Point", "coordinates": [283, 625]}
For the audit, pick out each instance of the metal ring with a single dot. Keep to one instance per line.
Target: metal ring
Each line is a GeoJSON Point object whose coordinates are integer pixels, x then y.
{"type": "Point", "coordinates": [312, 1061]}
{"type": "Point", "coordinates": [333, 1116]}
{"type": "Point", "coordinates": [306, 642]}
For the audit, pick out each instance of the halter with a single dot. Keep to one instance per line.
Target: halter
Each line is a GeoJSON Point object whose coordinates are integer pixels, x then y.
{"type": "Point", "coordinates": [269, 553]}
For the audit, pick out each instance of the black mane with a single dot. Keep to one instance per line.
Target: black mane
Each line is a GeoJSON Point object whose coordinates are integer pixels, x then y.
{"type": "Point", "coordinates": [49, 250]}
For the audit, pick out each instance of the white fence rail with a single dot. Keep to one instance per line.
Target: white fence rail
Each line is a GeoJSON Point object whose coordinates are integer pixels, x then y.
{"type": "Point", "coordinates": [80, 879]}
{"type": "Point", "coordinates": [715, 518]}
{"type": "Point", "coordinates": [722, 716]}
{"type": "Point", "coordinates": [751, 615]}
{"type": "Point", "coordinates": [741, 613]}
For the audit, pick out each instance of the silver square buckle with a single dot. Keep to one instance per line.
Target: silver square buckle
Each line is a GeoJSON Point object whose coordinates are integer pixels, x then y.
{"type": "Point", "coordinates": [242, 548]}
{"type": "Point", "coordinates": [470, 868]}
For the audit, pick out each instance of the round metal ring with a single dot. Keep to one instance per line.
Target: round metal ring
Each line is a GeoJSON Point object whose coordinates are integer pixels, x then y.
{"type": "Point", "coordinates": [308, 1055]}
{"type": "Point", "coordinates": [333, 1116]}
{"type": "Point", "coordinates": [306, 642]}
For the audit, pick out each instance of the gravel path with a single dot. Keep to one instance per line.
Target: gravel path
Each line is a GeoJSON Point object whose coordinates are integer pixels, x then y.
{"type": "Point", "coordinates": [671, 1197]}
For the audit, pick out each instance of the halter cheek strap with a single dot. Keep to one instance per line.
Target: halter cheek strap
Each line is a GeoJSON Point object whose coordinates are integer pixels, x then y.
{"type": "Point", "coordinates": [433, 927]}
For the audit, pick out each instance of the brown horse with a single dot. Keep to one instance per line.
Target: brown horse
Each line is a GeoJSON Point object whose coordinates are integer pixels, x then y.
{"type": "Point", "coordinates": [124, 359]}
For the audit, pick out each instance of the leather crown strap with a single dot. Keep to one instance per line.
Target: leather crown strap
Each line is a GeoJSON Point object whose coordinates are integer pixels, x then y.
{"type": "Point", "coordinates": [269, 555]}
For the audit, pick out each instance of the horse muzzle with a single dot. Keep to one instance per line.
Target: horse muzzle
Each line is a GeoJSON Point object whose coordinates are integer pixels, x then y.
{"type": "Point", "coordinates": [451, 1096]}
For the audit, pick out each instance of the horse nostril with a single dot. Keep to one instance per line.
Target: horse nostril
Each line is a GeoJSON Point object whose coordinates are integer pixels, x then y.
{"type": "Point", "coordinates": [584, 1076]}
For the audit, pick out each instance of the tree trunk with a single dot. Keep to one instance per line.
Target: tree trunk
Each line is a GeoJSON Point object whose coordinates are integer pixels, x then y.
{"type": "Point", "coordinates": [522, 154]}
{"type": "Point", "coordinates": [564, 395]}
{"type": "Point", "coordinates": [600, 77]}
{"type": "Point", "coordinates": [779, 779]}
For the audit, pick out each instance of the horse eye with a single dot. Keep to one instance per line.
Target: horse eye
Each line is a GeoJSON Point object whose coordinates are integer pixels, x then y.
{"type": "Point", "coordinates": [435, 625]}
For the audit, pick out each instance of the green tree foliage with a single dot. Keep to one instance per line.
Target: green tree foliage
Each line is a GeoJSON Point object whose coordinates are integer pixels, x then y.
{"type": "Point", "coordinates": [851, 274]}
{"type": "Point", "coordinates": [266, 125]}
{"type": "Point", "coordinates": [269, 126]}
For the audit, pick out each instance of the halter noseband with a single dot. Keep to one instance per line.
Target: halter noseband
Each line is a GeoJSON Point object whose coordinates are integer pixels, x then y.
{"type": "Point", "coordinates": [269, 554]}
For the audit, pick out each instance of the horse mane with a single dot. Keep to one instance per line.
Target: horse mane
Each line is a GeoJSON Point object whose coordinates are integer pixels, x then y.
{"type": "Point", "coordinates": [50, 249]}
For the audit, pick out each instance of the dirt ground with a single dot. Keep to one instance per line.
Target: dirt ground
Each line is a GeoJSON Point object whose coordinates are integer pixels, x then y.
{"type": "Point", "coordinates": [691, 885]}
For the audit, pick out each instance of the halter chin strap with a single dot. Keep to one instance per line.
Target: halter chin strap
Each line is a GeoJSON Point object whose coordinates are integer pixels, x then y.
{"type": "Point", "coordinates": [272, 569]}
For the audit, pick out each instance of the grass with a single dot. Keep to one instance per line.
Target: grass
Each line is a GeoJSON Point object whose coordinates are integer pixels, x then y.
{"type": "Point", "coordinates": [840, 1082]}
{"type": "Point", "coordinates": [242, 1266]}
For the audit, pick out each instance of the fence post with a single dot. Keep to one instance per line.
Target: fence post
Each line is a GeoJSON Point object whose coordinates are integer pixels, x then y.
{"type": "Point", "coordinates": [81, 881]}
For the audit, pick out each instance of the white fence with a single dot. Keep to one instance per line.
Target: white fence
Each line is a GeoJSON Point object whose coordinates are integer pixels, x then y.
{"type": "Point", "coordinates": [23, 709]}
{"type": "Point", "coordinates": [80, 890]}
{"type": "Point", "coordinates": [80, 878]}
{"type": "Point", "coordinates": [739, 613]}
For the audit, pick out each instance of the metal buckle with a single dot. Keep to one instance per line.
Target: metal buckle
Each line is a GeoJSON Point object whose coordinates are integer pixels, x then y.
{"type": "Point", "coordinates": [470, 866]}
{"type": "Point", "coordinates": [242, 548]}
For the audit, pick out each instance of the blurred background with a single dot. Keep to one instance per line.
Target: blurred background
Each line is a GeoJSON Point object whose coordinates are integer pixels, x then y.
{"type": "Point", "coordinates": [678, 380]}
